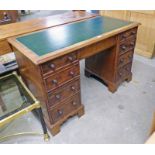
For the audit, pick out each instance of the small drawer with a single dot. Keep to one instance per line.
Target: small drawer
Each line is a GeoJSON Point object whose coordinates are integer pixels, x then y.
{"type": "Point", "coordinates": [63, 92]}
{"type": "Point", "coordinates": [62, 77]}
{"type": "Point", "coordinates": [127, 46]}
{"type": "Point", "coordinates": [56, 64]}
{"type": "Point", "coordinates": [125, 59]}
{"type": "Point", "coordinates": [63, 109]}
{"type": "Point", "coordinates": [128, 34]}
{"type": "Point", "coordinates": [124, 72]}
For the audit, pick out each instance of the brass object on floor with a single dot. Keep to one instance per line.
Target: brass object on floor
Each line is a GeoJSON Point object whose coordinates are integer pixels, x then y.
{"type": "Point", "coordinates": [28, 103]}
{"type": "Point", "coordinates": [4, 138]}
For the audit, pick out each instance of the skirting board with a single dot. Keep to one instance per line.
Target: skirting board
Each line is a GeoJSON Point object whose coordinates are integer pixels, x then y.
{"type": "Point", "coordinates": [143, 53]}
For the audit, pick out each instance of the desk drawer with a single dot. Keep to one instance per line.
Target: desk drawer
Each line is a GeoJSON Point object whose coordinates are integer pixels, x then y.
{"type": "Point", "coordinates": [125, 58]}
{"type": "Point", "coordinates": [64, 92]}
{"type": "Point", "coordinates": [56, 64]}
{"type": "Point", "coordinates": [128, 34]}
{"type": "Point", "coordinates": [127, 46]}
{"type": "Point", "coordinates": [62, 77]}
{"type": "Point", "coordinates": [63, 109]}
{"type": "Point", "coordinates": [124, 71]}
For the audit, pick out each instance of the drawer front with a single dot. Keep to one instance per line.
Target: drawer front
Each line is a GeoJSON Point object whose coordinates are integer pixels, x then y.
{"type": "Point", "coordinates": [62, 93]}
{"type": "Point", "coordinates": [124, 72]}
{"type": "Point", "coordinates": [127, 46]}
{"type": "Point", "coordinates": [125, 59]}
{"type": "Point", "coordinates": [63, 109]}
{"type": "Point", "coordinates": [62, 77]}
{"type": "Point", "coordinates": [56, 64]}
{"type": "Point", "coordinates": [128, 34]}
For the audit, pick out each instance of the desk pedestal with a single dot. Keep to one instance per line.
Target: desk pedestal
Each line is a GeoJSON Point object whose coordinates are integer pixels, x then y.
{"type": "Point", "coordinates": [113, 65]}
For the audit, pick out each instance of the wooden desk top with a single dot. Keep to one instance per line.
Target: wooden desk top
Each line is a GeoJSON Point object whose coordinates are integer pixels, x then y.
{"type": "Point", "coordinates": [20, 28]}
{"type": "Point", "coordinates": [51, 43]}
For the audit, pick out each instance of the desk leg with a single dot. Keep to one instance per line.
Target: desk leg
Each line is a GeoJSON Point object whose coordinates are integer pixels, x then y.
{"type": "Point", "coordinates": [46, 136]}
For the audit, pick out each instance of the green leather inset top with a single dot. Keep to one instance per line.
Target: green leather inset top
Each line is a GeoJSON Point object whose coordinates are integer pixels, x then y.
{"type": "Point", "coordinates": [60, 37]}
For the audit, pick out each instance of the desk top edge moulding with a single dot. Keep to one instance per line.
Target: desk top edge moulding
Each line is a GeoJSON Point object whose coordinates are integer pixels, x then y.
{"type": "Point", "coordinates": [40, 51]}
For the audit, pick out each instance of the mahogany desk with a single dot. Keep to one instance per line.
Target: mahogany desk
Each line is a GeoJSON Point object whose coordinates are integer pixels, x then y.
{"type": "Point", "coordinates": [49, 62]}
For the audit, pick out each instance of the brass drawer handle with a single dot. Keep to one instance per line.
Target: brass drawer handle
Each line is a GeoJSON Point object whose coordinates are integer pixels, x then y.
{"type": "Point", "coordinates": [74, 103]}
{"type": "Point", "coordinates": [54, 81]}
{"type": "Point", "coordinates": [132, 43]}
{"type": "Point", "coordinates": [52, 66]}
{"type": "Point", "coordinates": [57, 96]}
{"type": "Point", "coordinates": [71, 73]}
{"type": "Point", "coordinates": [127, 69]}
{"type": "Point", "coordinates": [123, 47]}
{"type": "Point", "coordinates": [121, 60]}
{"type": "Point", "coordinates": [120, 74]}
{"type": "Point", "coordinates": [130, 56]}
{"type": "Point", "coordinates": [133, 32]}
{"type": "Point", "coordinates": [73, 88]}
{"type": "Point", "coordinates": [60, 112]}
{"type": "Point", "coordinates": [123, 36]}
{"type": "Point", "coordinates": [70, 58]}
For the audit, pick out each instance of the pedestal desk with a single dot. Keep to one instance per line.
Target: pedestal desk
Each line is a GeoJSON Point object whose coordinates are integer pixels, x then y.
{"type": "Point", "coordinates": [49, 62]}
